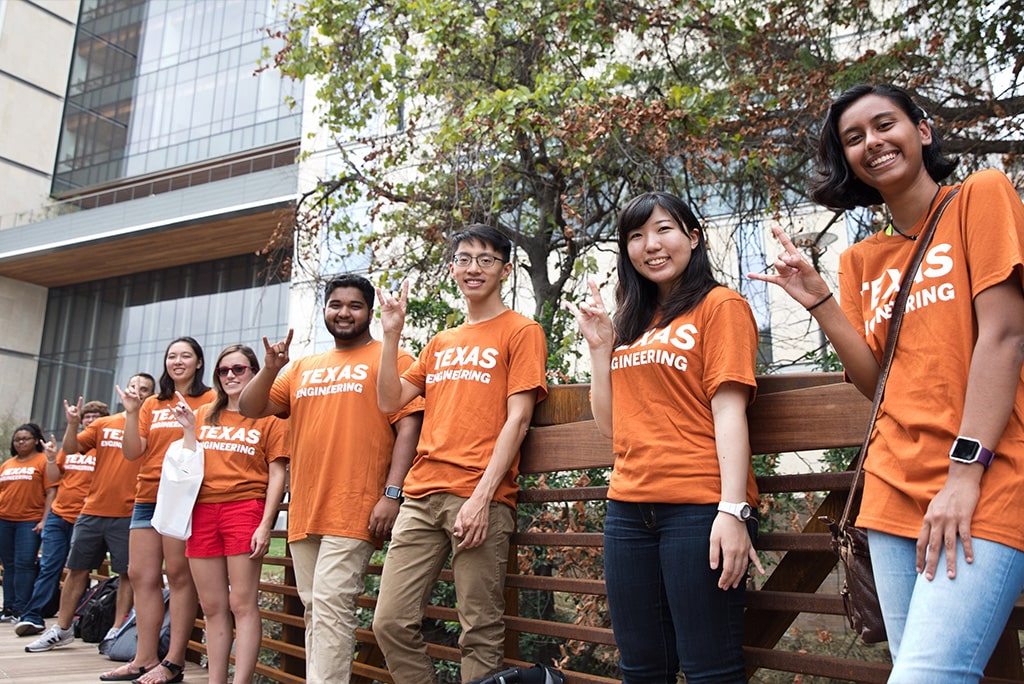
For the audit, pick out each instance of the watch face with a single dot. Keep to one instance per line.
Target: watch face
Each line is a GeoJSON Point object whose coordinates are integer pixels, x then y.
{"type": "Point", "coordinates": [965, 450]}
{"type": "Point", "coordinates": [745, 511]}
{"type": "Point", "coordinates": [392, 492]}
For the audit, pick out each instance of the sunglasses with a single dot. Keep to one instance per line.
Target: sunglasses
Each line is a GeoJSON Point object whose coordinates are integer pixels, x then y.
{"type": "Point", "coordinates": [238, 370]}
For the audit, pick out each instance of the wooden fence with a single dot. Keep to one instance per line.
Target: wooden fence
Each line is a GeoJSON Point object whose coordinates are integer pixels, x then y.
{"type": "Point", "coordinates": [555, 591]}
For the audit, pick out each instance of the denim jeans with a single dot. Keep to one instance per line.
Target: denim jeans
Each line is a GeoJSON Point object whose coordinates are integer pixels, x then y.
{"type": "Point", "coordinates": [19, 545]}
{"type": "Point", "coordinates": [668, 614]}
{"type": "Point", "coordinates": [56, 540]}
{"type": "Point", "coordinates": [944, 630]}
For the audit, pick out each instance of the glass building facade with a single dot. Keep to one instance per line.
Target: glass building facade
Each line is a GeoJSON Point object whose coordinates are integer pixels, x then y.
{"type": "Point", "coordinates": [96, 335]}
{"type": "Point", "coordinates": [161, 84]}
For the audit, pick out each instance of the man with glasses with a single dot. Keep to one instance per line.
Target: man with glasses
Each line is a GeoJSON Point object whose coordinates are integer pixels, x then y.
{"type": "Point", "coordinates": [102, 525]}
{"type": "Point", "coordinates": [480, 381]}
{"type": "Point", "coordinates": [348, 461]}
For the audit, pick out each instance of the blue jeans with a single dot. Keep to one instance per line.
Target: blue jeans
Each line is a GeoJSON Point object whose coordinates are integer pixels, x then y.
{"type": "Point", "coordinates": [19, 545]}
{"type": "Point", "coordinates": [667, 611]}
{"type": "Point", "coordinates": [944, 630]}
{"type": "Point", "coordinates": [56, 543]}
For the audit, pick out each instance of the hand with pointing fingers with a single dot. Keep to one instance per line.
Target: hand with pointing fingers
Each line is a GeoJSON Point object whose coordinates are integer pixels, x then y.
{"type": "Point", "coordinates": [393, 308]}
{"type": "Point", "coordinates": [276, 356]}
{"type": "Point", "coordinates": [794, 273]}
{"type": "Point", "coordinates": [593, 319]}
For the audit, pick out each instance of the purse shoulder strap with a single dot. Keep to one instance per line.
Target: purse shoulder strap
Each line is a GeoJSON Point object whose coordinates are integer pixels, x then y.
{"type": "Point", "coordinates": [896, 320]}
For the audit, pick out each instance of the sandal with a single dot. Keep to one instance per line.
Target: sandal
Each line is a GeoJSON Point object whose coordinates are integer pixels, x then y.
{"type": "Point", "coordinates": [120, 674]}
{"type": "Point", "coordinates": [177, 674]}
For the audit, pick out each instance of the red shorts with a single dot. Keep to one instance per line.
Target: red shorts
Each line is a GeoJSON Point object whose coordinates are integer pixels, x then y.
{"type": "Point", "coordinates": [223, 529]}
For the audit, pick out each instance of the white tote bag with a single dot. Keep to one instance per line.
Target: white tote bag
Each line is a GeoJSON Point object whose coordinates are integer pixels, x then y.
{"type": "Point", "coordinates": [180, 478]}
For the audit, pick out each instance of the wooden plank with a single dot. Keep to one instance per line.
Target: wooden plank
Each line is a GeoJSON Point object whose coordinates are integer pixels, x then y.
{"type": "Point", "coordinates": [564, 404]}
{"type": "Point", "coordinates": [783, 382]}
{"type": "Point", "coordinates": [823, 666]}
{"type": "Point", "coordinates": [825, 416]}
{"type": "Point", "coordinates": [572, 446]}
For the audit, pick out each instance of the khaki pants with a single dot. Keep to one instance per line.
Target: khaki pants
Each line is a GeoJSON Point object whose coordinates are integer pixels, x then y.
{"type": "Point", "coordinates": [329, 575]}
{"type": "Point", "coordinates": [420, 544]}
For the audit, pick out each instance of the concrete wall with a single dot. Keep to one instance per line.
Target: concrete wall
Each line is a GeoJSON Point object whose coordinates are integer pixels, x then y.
{"type": "Point", "coordinates": [36, 42]}
{"type": "Point", "coordinates": [22, 306]}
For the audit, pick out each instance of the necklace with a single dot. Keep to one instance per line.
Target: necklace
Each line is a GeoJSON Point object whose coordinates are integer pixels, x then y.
{"type": "Point", "coordinates": [892, 226]}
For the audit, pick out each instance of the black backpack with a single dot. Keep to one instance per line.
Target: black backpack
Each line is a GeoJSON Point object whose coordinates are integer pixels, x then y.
{"type": "Point", "coordinates": [96, 611]}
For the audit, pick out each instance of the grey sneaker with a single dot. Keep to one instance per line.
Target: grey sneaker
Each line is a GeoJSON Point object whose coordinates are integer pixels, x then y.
{"type": "Point", "coordinates": [55, 637]}
{"type": "Point", "coordinates": [28, 628]}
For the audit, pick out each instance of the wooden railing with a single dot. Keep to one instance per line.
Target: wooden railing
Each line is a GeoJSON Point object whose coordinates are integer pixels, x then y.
{"type": "Point", "coordinates": [556, 553]}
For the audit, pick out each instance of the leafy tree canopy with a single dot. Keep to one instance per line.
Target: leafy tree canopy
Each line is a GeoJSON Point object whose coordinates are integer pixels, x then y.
{"type": "Point", "coordinates": [542, 117]}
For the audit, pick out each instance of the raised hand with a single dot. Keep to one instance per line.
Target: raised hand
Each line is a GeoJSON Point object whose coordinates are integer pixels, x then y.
{"type": "Point", "coordinates": [593, 320]}
{"type": "Point", "coordinates": [392, 309]}
{"type": "Point", "coordinates": [183, 414]}
{"type": "Point", "coordinates": [51, 449]}
{"type": "Point", "coordinates": [276, 356]}
{"type": "Point", "coordinates": [73, 413]}
{"type": "Point", "coordinates": [794, 273]}
{"type": "Point", "coordinates": [129, 399]}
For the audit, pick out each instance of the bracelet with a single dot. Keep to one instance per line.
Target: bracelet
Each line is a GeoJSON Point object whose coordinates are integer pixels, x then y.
{"type": "Point", "coordinates": [821, 301]}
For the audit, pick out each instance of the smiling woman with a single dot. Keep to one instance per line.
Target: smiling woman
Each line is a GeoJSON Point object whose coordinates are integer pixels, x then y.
{"type": "Point", "coordinates": [150, 429]}
{"type": "Point", "coordinates": [672, 376]}
{"type": "Point", "coordinates": [933, 512]}
{"type": "Point", "coordinates": [243, 482]}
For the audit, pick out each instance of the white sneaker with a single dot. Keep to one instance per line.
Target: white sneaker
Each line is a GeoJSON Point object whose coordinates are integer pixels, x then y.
{"type": "Point", "coordinates": [55, 637]}
{"type": "Point", "coordinates": [9, 619]}
{"type": "Point", "coordinates": [111, 633]}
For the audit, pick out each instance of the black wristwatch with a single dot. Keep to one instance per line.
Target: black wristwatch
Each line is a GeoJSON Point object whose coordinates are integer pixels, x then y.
{"type": "Point", "coordinates": [967, 450]}
{"type": "Point", "coordinates": [393, 492]}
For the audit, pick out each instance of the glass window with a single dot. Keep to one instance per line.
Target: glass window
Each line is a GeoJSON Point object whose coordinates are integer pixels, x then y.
{"type": "Point", "coordinates": [97, 334]}
{"type": "Point", "coordinates": [147, 69]}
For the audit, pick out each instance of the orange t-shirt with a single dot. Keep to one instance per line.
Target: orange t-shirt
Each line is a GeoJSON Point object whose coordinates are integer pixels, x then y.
{"type": "Point", "coordinates": [74, 484]}
{"type": "Point", "coordinates": [341, 443]}
{"type": "Point", "coordinates": [236, 453]}
{"type": "Point", "coordinates": [977, 244]}
{"type": "Point", "coordinates": [468, 373]}
{"type": "Point", "coordinates": [23, 486]}
{"type": "Point", "coordinates": [112, 493]}
{"type": "Point", "coordinates": [662, 384]}
{"type": "Point", "coordinates": [160, 428]}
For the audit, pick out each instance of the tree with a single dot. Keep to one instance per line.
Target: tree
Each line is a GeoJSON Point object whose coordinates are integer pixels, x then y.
{"type": "Point", "coordinates": [543, 116]}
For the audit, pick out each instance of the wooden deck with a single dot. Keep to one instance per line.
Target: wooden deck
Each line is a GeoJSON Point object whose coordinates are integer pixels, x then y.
{"type": "Point", "coordinates": [78, 663]}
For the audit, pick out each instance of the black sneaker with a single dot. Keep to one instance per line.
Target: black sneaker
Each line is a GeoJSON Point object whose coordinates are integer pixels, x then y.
{"type": "Point", "coordinates": [28, 628]}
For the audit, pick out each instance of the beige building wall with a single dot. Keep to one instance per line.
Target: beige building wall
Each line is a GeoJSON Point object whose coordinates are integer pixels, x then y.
{"type": "Point", "coordinates": [36, 42]}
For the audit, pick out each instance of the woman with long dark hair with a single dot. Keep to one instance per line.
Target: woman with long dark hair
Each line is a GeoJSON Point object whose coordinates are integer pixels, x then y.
{"type": "Point", "coordinates": [150, 428]}
{"type": "Point", "coordinates": [672, 375]}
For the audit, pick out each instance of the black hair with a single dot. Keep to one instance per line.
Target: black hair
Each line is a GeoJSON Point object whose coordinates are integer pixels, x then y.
{"type": "Point", "coordinates": [350, 280]}
{"type": "Point", "coordinates": [167, 383]}
{"type": "Point", "coordinates": [218, 404]}
{"type": "Point", "coordinates": [484, 234]}
{"type": "Point", "coordinates": [835, 185]}
{"type": "Point", "coordinates": [636, 297]}
{"type": "Point", "coordinates": [36, 431]}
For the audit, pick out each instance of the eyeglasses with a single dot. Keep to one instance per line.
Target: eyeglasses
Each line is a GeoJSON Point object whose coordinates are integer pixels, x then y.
{"type": "Point", "coordinates": [24, 439]}
{"type": "Point", "coordinates": [238, 370]}
{"type": "Point", "coordinates": [482, 260]}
